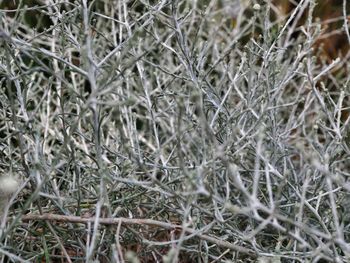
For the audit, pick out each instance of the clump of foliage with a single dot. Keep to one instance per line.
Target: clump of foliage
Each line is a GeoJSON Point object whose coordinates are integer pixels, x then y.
{"type": "Point", "coordinates": [174, 131]}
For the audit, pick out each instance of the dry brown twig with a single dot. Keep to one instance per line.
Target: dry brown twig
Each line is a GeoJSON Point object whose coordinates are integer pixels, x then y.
{"type": "Point", "coordinates": [137, 221]}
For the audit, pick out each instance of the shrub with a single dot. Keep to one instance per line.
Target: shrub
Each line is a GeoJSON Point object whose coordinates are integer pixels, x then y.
{"type": "Point", "coordinates": [179, 131]}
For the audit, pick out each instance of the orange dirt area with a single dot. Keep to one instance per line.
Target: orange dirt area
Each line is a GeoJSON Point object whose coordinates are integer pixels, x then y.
{"type": "Point", "coordinates": [333, 42]}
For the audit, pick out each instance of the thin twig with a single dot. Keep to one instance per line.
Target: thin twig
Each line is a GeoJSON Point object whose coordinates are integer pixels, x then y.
{"type": "Point", "coordinates": [137, 221]}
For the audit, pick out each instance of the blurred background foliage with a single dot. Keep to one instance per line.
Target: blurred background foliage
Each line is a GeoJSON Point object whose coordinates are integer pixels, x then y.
{"type": "Point", "coordinates": [333, 41]}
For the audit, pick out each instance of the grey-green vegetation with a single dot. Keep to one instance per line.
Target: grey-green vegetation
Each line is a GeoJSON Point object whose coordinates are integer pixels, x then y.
{"type": "Point", "coordinates": [217, 127]}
